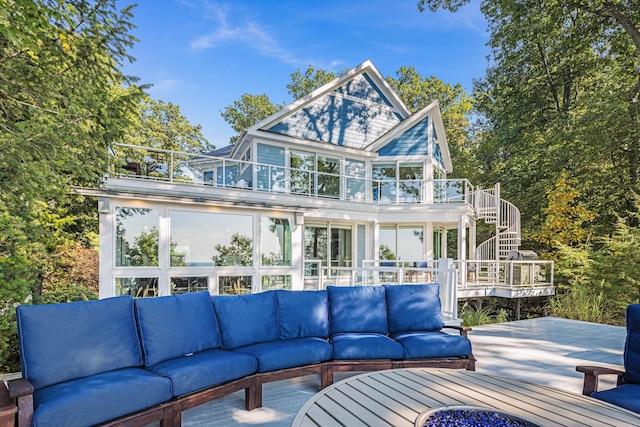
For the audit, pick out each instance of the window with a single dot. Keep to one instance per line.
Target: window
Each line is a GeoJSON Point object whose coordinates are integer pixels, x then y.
{"type": "Point", "coordinates": [137, 237]}
{"type": "Point", "coordinates": [282, 281]}
{"type": "Point", "coordinates": [410, 184]}
{"type": "Point", "coordinates": [182, 285]}
{"type": "Point", "coordinates": [302, 167]}
{"type": "Point", "coordinates": [234, 285]}
{"type": "Point", "coordinates": [355, 186]}
{"type": "Point", "coordinates": [328, 184]}
{"type": "Point", "coordinates": [207, 239]}
{"type": "Point", "coordinates": [387, 237]}
{"type": "Point", "coordinates": [275, 237]}
{"type": "Point", "coordinates": [384, 182]}
{"type": "Point", "coordinates": [137, 287]}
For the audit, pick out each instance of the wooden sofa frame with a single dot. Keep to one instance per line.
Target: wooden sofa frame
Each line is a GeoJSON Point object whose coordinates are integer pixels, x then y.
{"type": "Point", "coordinates": [169, 414]}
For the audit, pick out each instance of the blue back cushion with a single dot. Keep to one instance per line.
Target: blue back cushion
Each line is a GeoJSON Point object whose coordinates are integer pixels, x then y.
{"type": "Point", "coordinates": [303, 314]}
{"type": "Point", "coordinates": [357, 309]}
{"type": "Point", "coordinates": [632, 345]}
{"type": "Point", "coordinates": [62, 342]}
{"type": "Point", "coordinates": [414, 308]}
{"type": "Point", "coordinates": [247, 319]}
{"type": "Point", "coordinates": [174, 326]}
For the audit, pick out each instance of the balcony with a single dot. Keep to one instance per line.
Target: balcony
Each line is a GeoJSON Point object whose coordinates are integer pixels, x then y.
{"type": "Point", "coordinates": [223, 173]}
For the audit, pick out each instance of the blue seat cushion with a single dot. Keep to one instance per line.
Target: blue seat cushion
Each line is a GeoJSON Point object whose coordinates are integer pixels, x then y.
{"type": "Point", "coordinates": [289, 353]}
{"type": "Point", "coordinates": [173, 326]}
{"type": "Point", "coordinates": [98, 398]}
{"type": "Point", "coordinates": [414, 308]}
{"type": "Point", "coordinates": [428, 344]}
{"type": "Point", "coordinates": [205, 369]}
{"type": "Point", "coordinates": [246, 319]}
{"type": "Point", "coordinates": [365, 346]}
{"type": "Point", "coordinates": [632, 345]}
{"type": "Point", "coordinates": [62, 342]}
{"type": "Point", "coordinates": [302, 314]}
{"type": "Point", "coordinates": [625, 396]}
{"type": "Point", "coordinates": [357, 309]}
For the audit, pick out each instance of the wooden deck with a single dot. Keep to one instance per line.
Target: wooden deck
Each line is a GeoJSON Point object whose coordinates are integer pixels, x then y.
{"type": "Point", "coordinates": [395, 398]}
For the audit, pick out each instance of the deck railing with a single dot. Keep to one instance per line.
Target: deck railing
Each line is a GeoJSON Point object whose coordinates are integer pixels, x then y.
{"type": "Point", "coordinates": [199, 169]}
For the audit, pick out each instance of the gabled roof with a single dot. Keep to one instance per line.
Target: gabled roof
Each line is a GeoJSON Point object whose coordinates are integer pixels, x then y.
{"type": "Point", "coordinates": [404, 128]}
{"type": "Point", "coordinates": [351, 111]}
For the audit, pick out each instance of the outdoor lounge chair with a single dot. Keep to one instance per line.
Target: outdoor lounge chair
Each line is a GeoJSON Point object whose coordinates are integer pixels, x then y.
{"type": "Point", "coordinates": [626, 394]}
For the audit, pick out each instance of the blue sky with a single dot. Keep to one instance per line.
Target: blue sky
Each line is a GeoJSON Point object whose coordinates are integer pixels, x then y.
{"type": "Point", "coordinates": [203, 54]}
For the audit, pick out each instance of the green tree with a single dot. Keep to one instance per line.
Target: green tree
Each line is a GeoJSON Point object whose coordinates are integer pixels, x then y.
{"type": "Point", "coordinates": [160, 124]}
{"type": "Point", "coordinates": [303, 84]}
{"type": "Point", "coordinates": [247, 111]}
{"type": "Point", "coordinates": [59, 63]}
{"type": "Point", "coordinates": [238, 252]}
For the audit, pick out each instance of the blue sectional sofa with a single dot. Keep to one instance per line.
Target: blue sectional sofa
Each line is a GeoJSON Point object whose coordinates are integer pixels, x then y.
{"type": "Point", "coordinates": [626, 394]}
{"type": "Point", "coordinates": [121, 361]}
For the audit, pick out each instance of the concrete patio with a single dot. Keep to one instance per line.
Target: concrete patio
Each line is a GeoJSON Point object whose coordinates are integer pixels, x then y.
{"type": "Point", "coordinates": [544, 351]}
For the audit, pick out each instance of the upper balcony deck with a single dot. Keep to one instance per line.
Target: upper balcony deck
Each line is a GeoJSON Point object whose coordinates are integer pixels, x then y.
{"type": "Point", "coordinates": [230, 175]}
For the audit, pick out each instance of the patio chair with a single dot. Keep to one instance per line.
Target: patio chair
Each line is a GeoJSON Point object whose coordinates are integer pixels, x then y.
{"type": "Point", "coordinates": [626, 394]}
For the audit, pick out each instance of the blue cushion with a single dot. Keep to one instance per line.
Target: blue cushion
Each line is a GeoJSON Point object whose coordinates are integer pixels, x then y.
{"type": "Point", "coordinates": [61, 342]}
{"type": "Point", "coordinates": [357, 309]}
{"type": "Point", "coordinates": [173, 326]}
{"type": "Point", "coordinates": [205, 369]}
{"type": "Point", "coordinates": [98, 398]}
{"type": "Point", "coordinates": [365, 346]}
{"type": "Point", "coordinates": [290, 353]}
{"type": "Point", "coordinates": [303, 314]}
{"type": "Point", "coordinates": [625, 396]}
{"type": "Point", "coordinates": [413, 308]}
{"type": "Point", "coordinates": [632, 345]}
{"type": "Point", "coordinates": [424, 345]}
{"type": "Point", "coordinates": [247, 319]}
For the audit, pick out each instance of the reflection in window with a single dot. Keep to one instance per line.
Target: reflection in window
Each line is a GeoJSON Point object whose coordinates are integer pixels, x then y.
{"type": "Point", "coordinates": [412, 238]}
{"type": "Point", "coordinates": [182, 285]}
{"type": "Point", "coordinates": [137, 287]}
{"type": "Point", "coordinates": [328, 184]}
{"type": "Point", "coordinates": [302, 167]}
{"type": "Point", "coordinates": [282, 281]}
{"type": "Point", "coordinates": [384, 182]}
{"type": "Point", "coordinates": [234, 285]}
{"type": "Point", "coordinates": [315, 246]}
{"type": "Point", "coordinates": [410, 182]}
{"type": "Point", "coordinates": [207, 239]}
{"type": "Point", "coordinates": [276, 241]}
{"type": "Point", "coordinates": [136, 237]}
{"type": "Point", "coordinates": [355, 186]}
{"type": "Point", "coordinates": [388, 242]}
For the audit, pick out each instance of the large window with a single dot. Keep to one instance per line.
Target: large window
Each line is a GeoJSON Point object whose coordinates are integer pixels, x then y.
{"type": "Point", "coordinates": [275, 236]}
{"type": "Point", "coordinates": [405, 242]}
{"type": "Point", "coordinates": [410, 183]}
{"type": "Point", "coordinates": [302, 167]}
{"type": "Point", "coordinates": [387, 236]}
{"type": "Point", "coordinates": [328, 184]}
{"type": "Point", "coordinates": [315, 246]}
{"type": "Point", "coordinates": [355, 171]}
{"type": "Point", "coordinates": [207, 239]}
{"type": "Point", "coordinates": [136, 237]}
{"type": "Point", "coordinates": [384, 182]}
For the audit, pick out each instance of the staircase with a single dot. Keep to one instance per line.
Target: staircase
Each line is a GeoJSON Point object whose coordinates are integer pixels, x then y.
{"type": "Point", "coordinates": [506, 217]}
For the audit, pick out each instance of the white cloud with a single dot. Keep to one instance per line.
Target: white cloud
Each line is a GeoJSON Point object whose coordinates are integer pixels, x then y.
{"type": "Point", "coordinates": [166, 86]}
{"type": "Point", "coordinates": [249, 33]}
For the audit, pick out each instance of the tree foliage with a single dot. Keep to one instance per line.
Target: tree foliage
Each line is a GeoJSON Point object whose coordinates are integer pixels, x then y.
{"type": "Point", "coordinates": [59, 64]}
{"type": "Point", "coordinates": [247, 111]}
{"type": "Point", "coordinates": [303, 84]}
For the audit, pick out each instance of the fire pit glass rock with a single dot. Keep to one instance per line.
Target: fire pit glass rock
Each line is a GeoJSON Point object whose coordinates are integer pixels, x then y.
{"type": "Point", "coordinates": [470, 416]}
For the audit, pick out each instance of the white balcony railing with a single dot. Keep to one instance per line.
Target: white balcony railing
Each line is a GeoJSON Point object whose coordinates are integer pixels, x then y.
{"type": "Point", "coordinates": [199, 169]}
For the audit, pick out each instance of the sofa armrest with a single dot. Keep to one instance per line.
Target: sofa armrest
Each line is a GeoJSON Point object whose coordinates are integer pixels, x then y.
{"type": "Point", "coordinates": [22, 390]}
{"type": "Point", "coordinates": [591, 374]}
{"type": "Point", "coordinates": [462, 329]}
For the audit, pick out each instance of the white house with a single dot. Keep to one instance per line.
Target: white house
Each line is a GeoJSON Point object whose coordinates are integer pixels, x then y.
{"type": "Point", "coordinates": [342, 186]}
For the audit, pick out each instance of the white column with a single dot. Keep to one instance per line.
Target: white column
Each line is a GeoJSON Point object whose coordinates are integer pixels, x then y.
{"type": "Point", "coordinates": [472, 238]}
{"type": "Point", "coordinates": [428, 239]}
{"type": "Point", "coordinates": [107, 283]}
{"type": "Point", "coordinates": [462, 238]}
